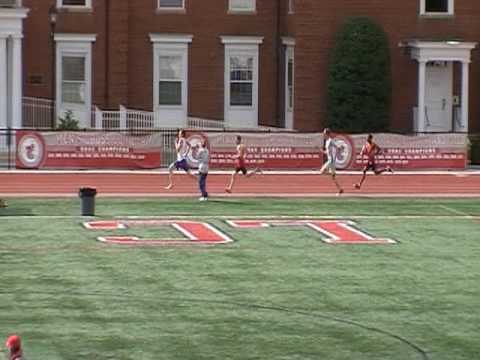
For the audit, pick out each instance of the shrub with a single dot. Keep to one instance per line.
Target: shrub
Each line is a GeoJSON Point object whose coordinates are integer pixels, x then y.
{"type": "Point", "coordinates": [68, 122]}
{"type": "Point", "coordinates": [359, 78]}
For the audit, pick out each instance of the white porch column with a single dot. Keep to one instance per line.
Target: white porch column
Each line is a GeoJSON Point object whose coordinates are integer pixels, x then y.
{"type": "Point", "coordinates": [17, 83]}
{"type": "Point", "coordinates": [463, 125]}
{"type": "Point", "coordinates": [3, 82]}
{"type": "Point", "coordinates": [422, 65]}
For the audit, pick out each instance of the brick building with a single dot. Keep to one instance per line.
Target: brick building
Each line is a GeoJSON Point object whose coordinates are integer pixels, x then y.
{"type": "Point", "coordinates": [244, 62]}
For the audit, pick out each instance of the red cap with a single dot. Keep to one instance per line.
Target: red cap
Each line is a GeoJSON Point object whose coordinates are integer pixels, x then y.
{"type": "Point", "coordinates": [13, 342]}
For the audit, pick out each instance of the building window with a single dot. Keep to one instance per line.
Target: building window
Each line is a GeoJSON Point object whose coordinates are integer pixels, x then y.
{"type": "Point", "coordinates": [171, 80]}
{"type": "Point", "coordinates": [241, 80]}
{"type": "Point", "coordinates": [241, 5]}
{"type": "Point", "coordinates": [290, 83]}
{"type": "Point", "coordinates": [170, 77]}
{"type": "Point", "coordinates": [171, 4]}
{"type": "Point", "coordinates": [290, 7]}
{"type": "Point", "coordinates": [74, 3]}
{"type": "Point", "coordinates": [437, 7]}
{"type": "Point", "coordinates": [73, 79]}
{"type": "Point", "coordinates": [242, 55]}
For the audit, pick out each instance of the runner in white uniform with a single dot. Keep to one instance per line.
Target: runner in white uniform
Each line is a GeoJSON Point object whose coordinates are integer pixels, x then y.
{"type": "Point", "coordinates": [330, 150]}
{"type": "Point", "coordinates": [182, 147]}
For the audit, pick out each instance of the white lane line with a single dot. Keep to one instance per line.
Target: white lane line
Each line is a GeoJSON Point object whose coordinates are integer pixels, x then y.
{"type": "Point", "coordinates": [454, 211]}
{"type": "Point", "coordinates": [234, 217]}
{"type": "Point", "coordinates": [459, 173]}
{"type": "Point", "coordinates": [247, 195]}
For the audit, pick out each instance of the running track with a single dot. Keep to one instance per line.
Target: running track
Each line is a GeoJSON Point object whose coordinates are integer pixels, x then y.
{"type": "Point", "coordinates": [151, 184]}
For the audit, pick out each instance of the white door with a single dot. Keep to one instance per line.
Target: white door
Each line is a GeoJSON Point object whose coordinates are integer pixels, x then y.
{"type": "Point", "coordinates": [438, 96]}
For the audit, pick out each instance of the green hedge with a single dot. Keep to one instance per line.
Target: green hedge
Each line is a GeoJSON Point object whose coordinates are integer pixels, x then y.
{"type": "Point", "coordinates": [359, 78]}
{"type": "Point", "coordinates": [475, 149]}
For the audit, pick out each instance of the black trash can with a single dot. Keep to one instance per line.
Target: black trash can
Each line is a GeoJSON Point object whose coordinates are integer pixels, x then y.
{"type": "Point", "coordinates": [87, 196]}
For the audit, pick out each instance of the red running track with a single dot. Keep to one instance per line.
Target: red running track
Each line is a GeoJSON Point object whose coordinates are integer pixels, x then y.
{"type": "Point", "coordinates": [15, 184]}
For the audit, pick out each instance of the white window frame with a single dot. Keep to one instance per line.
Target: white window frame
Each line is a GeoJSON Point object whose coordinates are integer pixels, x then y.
{"type": "Point", "coordinates": [75, 45]}
{"type": "Point", "coordinates": [171, 45]}
{"type": "Point", "coordinates": [162, 8]}
{"type": "Point", "coordinates": [450, 12]}
{"type": "Point", "coordinates": [88, 5]}
{"type": "Point", "coordinates": [242, 46]}
{"type": "Point", "coordinates": [232, 9]}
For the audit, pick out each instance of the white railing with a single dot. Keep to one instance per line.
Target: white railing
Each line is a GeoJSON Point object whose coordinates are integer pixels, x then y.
{"type": "Point", "coordinates": [37, 113]}
{"type": "Point", "coordinates": [199, 123]}
{"type": "Point", "coordinates": [132, 119]}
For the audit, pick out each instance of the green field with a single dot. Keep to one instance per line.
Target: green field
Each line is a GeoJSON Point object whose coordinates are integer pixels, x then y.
{"type": "Point", "coordinates": [277, 293]}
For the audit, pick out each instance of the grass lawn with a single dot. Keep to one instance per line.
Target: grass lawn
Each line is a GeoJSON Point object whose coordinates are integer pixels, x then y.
{"type": "Point", "coordinates": [276, 293]}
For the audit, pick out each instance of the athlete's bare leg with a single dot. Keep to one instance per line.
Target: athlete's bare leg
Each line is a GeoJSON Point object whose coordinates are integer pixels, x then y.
{"type": "Point", "coordinates": [359, 185]}
{"type": "Point", "coordinates": [253, 172]}
{"type": "Point", "coordinates": [228, 189]}
{"type": "Point", "coordinates": [339, 188]}
{"type": "Point", "coordinates": [387, 169]}
{"type": "Point", "coordinates": [170, 179]}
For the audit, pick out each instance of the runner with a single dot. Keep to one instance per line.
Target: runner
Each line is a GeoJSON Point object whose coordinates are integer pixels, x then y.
{"type": "Point", "coordinates": [14, 347]}
{"type": "Point", "coordinates": [182, 147]}
{"type": "Point", "coordinates": [203, 160]}
{"type": "Point", "coordinates": [371, 149]}
{"type": "Point", "coordinates": [240, 164]}
{"type": "Point", "coordinates": [330, 149]}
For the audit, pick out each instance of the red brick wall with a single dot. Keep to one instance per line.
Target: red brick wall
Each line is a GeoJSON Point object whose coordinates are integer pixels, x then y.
{"type": "Point", "coordinates": [316, 23]}
{"type": "Point", "coordinates": [123, 53]}
{"type": "Point", "coordinates": [206, 21]}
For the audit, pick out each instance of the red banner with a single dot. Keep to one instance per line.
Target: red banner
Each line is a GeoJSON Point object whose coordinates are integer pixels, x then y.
{"type": "Point", "coordinates": [94, 150]}
{"type": "Point", "coordinates": [87, 150]}
{"type": "Point", "coordinates": [303, 151]}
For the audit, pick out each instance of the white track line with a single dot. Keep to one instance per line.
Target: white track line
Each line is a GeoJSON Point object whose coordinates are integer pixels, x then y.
{"type": "Point", "coordinates": [248, 195]}
{"type": "Point", "coordinates": [243, 217]}
{"type": "Point", "coordinates": [454, 211]}
{"type": "Point", "coordinates": [462, 173]}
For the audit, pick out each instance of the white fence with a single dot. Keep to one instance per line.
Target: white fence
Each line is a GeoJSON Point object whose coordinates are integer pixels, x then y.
{"type": "Point", "coordinates": [38, 113]}
{"type": "Point", "coordinates": [143, 120]}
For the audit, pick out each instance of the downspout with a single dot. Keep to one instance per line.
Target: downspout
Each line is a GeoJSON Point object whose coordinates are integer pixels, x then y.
{"type": "Point", "coordinates": [107, 53]}
{"type": "Point", "coordinates": [279, 68]}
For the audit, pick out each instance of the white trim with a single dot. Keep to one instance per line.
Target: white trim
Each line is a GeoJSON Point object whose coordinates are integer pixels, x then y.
{"type": "Point", "coordinates": [88, 5]}
{"type": "Point", "coordinates": [291, 7]}
{"type": "Point", "coordinates": [167, 8]}
{"type": "Point", "coordinates": [3, 83]}
{"type": "Point", "coordinates": [241, 116]}
{"type": "Point", "coordinates": [450, 12]}
{"type": "Point", "coordinates": [232, 9]}
{"type": "Point", "coordinates": [289, 110]}
{"type": "Point", "coordinates": [171, 38]}
{"type": "Point", "coordinates": [70, 37]}
{"type": "Point", "coordinates": [451, 51]}
{"type": "Point", "coordinates": [288, 41]}
{"type": "Point", "coordinates": [15, 13]}
{"type": "Point", "coordinates": [241, 40]}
